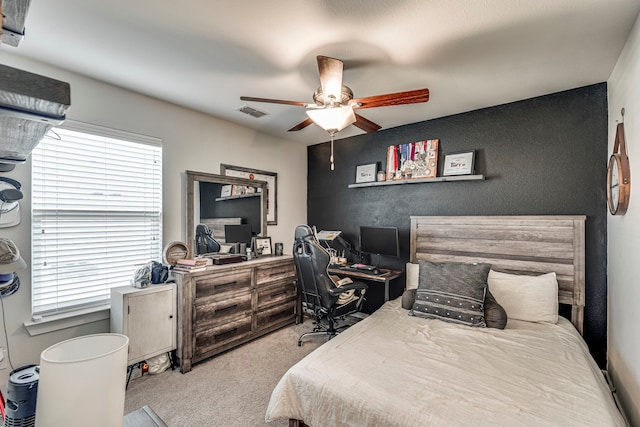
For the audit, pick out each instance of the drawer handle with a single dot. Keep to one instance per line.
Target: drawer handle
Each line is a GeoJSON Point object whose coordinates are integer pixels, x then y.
{"type": "Point", "coordinates": [278, 314]}
{"type": "Point", "coordinates": [223, 285]}
{"type": "Point", "coordinates": [277, 273]}
{"type": "Point", "coordinates": [231, 307]}
{"type": "Point", "coordinates": [275, 294]}
{"type": "Point", "coordinates": [225, 334]}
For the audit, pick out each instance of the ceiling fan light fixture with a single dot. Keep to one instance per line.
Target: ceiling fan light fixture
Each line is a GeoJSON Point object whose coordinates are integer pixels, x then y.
{"type": "Point", "coordinates": [332, 119]}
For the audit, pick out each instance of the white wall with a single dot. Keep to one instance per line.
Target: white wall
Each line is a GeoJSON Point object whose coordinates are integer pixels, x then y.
{"type": "Point", "coordinates": [191, 141]}
{"type": "Point", "coordinates": [624, 235]}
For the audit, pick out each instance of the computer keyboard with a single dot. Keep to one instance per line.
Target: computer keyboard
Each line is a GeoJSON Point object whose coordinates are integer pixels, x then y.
{"type": "Point", "coordinates": [369, 269]}
{"type": "Point", "coordinates": [341, 267]}
{"type": "Point", "coordinates": [363, 267]}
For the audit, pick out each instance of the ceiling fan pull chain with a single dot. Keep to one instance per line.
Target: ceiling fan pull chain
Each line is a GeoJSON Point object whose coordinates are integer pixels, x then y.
{"type": "Point", "coordinates": [332, 165]}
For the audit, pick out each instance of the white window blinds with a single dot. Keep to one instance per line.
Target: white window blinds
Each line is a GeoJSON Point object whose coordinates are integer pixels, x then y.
{"type": "Point", "coordinates": [96, 214]}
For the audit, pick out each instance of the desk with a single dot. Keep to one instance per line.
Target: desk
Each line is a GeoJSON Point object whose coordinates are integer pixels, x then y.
{"type": "Point", "coordinates": [385, 277]}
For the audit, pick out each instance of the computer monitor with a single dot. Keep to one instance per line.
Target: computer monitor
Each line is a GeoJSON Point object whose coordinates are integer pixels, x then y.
{"type": "Point", "coordinates": [379, 240]}
{"type": "Point", "coordinates": [237, 233]}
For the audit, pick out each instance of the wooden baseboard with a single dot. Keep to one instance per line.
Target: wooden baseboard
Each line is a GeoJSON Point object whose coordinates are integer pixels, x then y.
{"type": "Point", "coordinates": [612, 389]}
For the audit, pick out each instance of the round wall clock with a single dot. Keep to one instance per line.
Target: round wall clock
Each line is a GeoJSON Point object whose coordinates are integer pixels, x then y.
{"type": "Point", "coordinates": [618, 175]}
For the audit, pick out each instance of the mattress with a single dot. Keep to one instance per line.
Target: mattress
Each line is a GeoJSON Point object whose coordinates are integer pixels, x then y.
{"type": "Point", "coordinates": [393, 369]}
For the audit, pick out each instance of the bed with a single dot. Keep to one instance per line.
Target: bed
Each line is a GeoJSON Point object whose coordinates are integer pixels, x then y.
{"type": "Point", "coordinates": [396, 369]}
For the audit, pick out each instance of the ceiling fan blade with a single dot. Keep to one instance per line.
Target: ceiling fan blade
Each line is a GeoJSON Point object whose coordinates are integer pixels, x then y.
{"type": "Point", "coordinates": [330, 76]}
{"type": "Point", "coordinates": [303, 124]}
{"type": "Point", "coordinates": [273, 101]}
{"type": "Point", "coordinates": [398, 98]}
{"type": "Point", "coordinates": [365, 124]}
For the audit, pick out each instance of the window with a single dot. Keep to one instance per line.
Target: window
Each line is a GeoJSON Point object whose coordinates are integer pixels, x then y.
{"type": "Point", "coordinates": [96, 214]}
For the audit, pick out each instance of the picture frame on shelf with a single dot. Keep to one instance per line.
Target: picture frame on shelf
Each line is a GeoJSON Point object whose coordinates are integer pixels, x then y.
{"type": "Point", "coordinates": [459, 163]}
{"type": "Point", "coordinates": [366, 173]}
{"type": "Point", "coordinates": [271, 178]}
{"type": "Point", "coordinates": [237, 190]}
{"type": "Point", "coordinates": [225, 190]}
{"type": "Point", "coordinates": [413, 160]}
{"type": "Point", "coordinates": [263, 246]}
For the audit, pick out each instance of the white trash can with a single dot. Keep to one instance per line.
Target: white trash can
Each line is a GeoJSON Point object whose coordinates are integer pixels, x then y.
{"type": "Point", "coordinates": [82, 382]}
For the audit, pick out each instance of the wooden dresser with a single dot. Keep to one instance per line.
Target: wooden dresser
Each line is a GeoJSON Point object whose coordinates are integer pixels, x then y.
{"type": "Point", "coordinates": [228, 305]}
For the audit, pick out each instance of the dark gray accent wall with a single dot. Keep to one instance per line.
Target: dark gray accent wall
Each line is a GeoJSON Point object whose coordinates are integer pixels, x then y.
{"type": "Point", "coordinates": [248, 209]}
{"type": "Point", "coordinates": [540, 156]}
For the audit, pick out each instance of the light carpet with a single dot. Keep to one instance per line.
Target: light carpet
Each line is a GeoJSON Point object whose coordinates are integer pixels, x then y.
{"type": "Point", "coordinates": [231, 389]}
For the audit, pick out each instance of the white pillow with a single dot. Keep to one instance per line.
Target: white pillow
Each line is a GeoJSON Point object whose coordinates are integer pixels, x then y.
{"type": "Point", "coordinates": [529, 298]}
{"type": "Point", "coordinates": [412, 275]}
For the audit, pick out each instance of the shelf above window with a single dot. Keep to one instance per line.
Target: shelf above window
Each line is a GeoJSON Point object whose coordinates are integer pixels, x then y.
{"type": "Point", "coordinates": [419, 181]}
{"type": "Point", "coordinates": [243, 196]}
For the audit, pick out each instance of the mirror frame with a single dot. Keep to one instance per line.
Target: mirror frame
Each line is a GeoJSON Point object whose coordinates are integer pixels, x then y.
{"type": "Point", "coordinates": [193, 177]}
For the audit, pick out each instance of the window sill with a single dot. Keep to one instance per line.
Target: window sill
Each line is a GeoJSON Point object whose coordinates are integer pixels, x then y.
{"type": "Point", "coordinates": [57, 322]}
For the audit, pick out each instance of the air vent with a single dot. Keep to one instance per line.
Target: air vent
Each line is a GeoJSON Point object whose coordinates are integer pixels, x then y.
{"type": "Point", "coordinates": [252, 111]}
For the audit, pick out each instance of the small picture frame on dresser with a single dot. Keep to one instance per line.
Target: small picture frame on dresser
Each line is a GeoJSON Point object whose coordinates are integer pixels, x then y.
{"type": "Point", "coordinates": [263, 246]}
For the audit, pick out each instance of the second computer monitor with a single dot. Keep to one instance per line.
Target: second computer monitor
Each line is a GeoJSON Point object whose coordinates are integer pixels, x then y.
{"type": "Point", "coordinates": [237, 233]}
{"type": "Point", "coordinates": [379, 240]}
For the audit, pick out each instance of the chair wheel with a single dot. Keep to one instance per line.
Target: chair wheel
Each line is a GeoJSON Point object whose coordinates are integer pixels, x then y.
{"type": "Point", "coordinates": [299, 344]}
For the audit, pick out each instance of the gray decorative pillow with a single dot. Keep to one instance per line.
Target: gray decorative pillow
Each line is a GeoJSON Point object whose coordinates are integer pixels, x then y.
{"type": "Point", "coordinates": [494, 314]}
{"type": "Point", "coordinates": [408, 298]}
{"type": "Point", "coordinates": [452, 291]}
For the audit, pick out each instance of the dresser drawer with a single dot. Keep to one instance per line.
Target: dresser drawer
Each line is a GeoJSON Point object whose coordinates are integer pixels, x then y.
{"type": "Point", "coordinates": [223, 283]}
{"type": "Point", "coordinates": [274, 273]}
{"type": "Point", "coordinates": [211, 311]}
{"type": "Point", "coordinates": [276, 294]}
{"type": "Point", "coordinates": [208, 339]}
{"type": "Point", "coordinates": [279, 314]}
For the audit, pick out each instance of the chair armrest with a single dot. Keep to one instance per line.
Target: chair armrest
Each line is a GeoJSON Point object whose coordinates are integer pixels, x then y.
{"type": "Point", "coordinates": [358, 286]}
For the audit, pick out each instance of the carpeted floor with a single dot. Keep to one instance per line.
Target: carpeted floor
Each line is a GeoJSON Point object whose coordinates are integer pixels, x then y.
{"type": "Point", "coordinates": [232, 389]}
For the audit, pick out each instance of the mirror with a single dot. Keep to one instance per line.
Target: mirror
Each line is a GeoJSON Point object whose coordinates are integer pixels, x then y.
{"type": "Point", "coordinates": [219, 200]}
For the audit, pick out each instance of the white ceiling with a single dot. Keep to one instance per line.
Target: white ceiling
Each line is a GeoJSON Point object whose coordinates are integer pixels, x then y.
{"type": "Point", "coordinates": [205, 54]}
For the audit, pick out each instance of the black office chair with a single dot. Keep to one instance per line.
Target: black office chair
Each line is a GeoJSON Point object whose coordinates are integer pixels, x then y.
{"type": "Point", "coordinates": [205, 243]}
{"type": "Point", "coordinates": [320, 295]}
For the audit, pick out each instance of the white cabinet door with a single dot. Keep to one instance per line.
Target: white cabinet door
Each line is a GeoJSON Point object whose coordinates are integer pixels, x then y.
{"type": "Point", "coordinates": [148, 317]}
{"type": "Point", "coordinates": [151, 318]}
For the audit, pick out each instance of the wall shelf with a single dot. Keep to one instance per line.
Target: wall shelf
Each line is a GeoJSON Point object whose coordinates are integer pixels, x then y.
{"type": "Point", "coordinates": [419, 181]}
{"type": "Point", "coordinates": [242, 196]}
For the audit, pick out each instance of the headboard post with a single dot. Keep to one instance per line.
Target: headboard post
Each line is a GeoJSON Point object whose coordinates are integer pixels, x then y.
{"type": "Point", "coordinates": [577, 308]}
{"type": "Point", "coordinates": [413, 237]}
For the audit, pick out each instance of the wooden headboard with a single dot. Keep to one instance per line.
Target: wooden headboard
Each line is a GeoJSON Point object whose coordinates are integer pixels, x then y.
{"type": "Point", "coordinates": [512, 244]}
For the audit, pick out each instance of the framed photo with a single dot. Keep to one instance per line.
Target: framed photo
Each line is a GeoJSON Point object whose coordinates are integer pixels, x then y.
{"type": "Point", "coordinates": [459, 163]}
{"type": "Point", "coordinates": [366, 173]}
{"type": "Point", "coordinates": [263, 246]}
{"type": "Point", "coordinates": [225, 190]}
{"type": "Point", "coordinates": [237, 190]}
{"type": "Point", "coordinates": [413, 160]}
{"type": "Point", "coordinates": [272, 186]}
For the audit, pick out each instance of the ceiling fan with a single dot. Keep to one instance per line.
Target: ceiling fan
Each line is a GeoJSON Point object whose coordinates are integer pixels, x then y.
{"type": "Point", "coordinates": [333, 103]}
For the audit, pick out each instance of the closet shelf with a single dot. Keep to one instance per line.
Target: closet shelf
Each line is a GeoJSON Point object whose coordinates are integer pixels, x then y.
{"type": "Point", "coordinates": [419, 181]}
